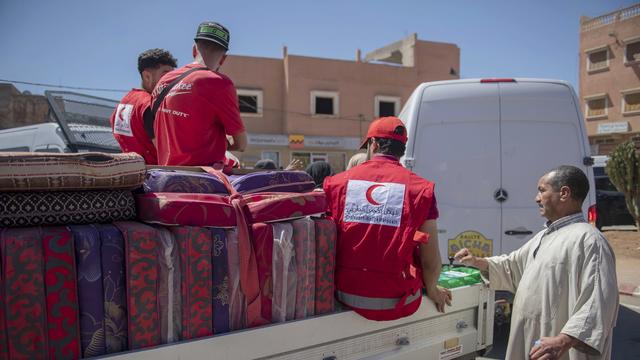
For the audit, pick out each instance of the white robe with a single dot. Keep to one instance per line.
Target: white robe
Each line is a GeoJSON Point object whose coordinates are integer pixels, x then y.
{"type": "Point", "coordinates": [569, 287]}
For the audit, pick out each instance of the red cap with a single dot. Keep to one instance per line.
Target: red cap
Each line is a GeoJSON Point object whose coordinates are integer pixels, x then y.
{"type": "Point", "coordinates": [385, 128]}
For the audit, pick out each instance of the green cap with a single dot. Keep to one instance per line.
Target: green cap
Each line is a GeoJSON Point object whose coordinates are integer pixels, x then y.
{"type": "Point", "coordinates": [215, 32]}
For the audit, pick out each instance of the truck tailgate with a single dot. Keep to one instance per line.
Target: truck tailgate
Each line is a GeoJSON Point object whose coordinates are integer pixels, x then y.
{"type": "Point", "coordinates": [466, 327]}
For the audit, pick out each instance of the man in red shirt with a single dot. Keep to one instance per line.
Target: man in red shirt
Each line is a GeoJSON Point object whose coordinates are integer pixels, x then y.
{"type": "Point", "coordinates": [385, 215]}
{"type": "Point", "coordinates": [198, 111]}
{"type": "Point", "coordinates": [127, 121]}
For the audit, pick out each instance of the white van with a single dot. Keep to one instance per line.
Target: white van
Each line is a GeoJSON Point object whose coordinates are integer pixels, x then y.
{"type": "Point", "coordinates": [485, 143]}
{"type": "Point", "coordinates": [49, 137]}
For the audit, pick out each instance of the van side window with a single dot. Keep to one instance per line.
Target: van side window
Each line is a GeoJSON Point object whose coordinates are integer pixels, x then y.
{"type": "Point", "coordinates": [19, 148]}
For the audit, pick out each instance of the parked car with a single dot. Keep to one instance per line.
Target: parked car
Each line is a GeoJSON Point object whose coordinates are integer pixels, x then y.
{"type": "Point", "coordinates": [610, 205]}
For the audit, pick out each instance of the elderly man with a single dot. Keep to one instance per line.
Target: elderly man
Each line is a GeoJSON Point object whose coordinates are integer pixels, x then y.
{"type": "Point", "coordinates": [564, 278]}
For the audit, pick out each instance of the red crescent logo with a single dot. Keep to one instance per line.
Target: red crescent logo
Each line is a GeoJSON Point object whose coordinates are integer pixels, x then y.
{"type": "Point", "coordinates": [121, 113]}
{"type": "Point", "coordinates": [369, 192]}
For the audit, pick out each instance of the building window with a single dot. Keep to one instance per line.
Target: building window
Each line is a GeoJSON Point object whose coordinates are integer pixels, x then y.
{"type": "Point", "coordinates": [250, 102]}
{"type": "Point", "coordinates": [597, 59]}
{"type": "Point", "coordinates": [632, 51]}
{"type": "Point", "coordinates": [324, 103]}
{"type": "Point", "coordinates": [596, 106]}
{"type": "Point", "coordinates": [386, 106]}
{"type": "Point", "coordinates": [631, 101]}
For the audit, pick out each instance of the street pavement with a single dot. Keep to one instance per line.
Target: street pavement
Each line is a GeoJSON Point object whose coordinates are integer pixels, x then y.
{"type": "Point", "coordinates": [626, 335]}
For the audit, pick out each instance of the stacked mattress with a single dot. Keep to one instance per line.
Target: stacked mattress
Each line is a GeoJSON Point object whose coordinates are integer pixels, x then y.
{"type": "Point", "coordinates": [211, 254]}
{"type": "Point", "coordinates": [58, 189]}
{"type": "Point", "coordinates": [274, 236]}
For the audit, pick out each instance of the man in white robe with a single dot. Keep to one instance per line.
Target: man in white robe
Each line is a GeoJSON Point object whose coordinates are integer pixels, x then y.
{"type": "Point", "coordinates": [564, 278]}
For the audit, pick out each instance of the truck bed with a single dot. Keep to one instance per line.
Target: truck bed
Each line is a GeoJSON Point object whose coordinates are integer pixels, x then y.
{"type": "Point", "coordinates": [465, 328]}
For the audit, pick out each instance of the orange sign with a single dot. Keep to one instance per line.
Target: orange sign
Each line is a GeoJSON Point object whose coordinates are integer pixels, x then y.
{"type": "Point", "coordinates": [296, 141]}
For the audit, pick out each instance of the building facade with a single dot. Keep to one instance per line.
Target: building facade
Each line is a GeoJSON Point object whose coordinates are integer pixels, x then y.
{"type": "Point", "coordinates": [21, 109]}
{"type": "Point", "coordinates": [610, 78]}
{"type": "Point", "coordinates": [314, 109]}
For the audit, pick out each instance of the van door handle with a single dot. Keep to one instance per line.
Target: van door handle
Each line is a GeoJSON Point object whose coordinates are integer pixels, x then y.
{"type": "Point", "coordinates": [518, 232]}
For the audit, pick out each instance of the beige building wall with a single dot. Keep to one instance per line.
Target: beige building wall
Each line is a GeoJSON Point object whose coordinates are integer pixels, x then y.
{"type": "Point", "coordinates": [613, 33]}
{"type": "Point", "coordinates": [287, 125]}
{"type": "Point", "coordinates": [18, 109]}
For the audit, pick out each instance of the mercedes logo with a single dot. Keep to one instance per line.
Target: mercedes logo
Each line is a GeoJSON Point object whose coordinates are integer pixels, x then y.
{"type": "Point", "coordinates": [501, 195]}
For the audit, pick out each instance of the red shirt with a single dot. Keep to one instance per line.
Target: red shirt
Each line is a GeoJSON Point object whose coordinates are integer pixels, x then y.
{"type": "Point", "coordinates": [194, 117]}
{"type": "Point", "coordinates": [378, 206]}
{"type": "Point", "coordinates": [127, 124]}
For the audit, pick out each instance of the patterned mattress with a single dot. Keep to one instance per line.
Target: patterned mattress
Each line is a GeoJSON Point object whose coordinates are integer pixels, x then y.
{"type": "Point", "coordinates": [82, 171]}
{"type": "Point", "coordinates": [176, 181]}
{"type": "Point", "coordinates": [273, 181]}
{"type": "Point", "coordinates": [62, 208]}
{"type": "Point", "coordinates": [185, 209]}
{"type": "Point", "coordinates": [269, 207]}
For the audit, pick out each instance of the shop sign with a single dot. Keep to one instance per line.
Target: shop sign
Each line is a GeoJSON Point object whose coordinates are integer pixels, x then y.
{"type": "Point", "coordinates": [613, 127]}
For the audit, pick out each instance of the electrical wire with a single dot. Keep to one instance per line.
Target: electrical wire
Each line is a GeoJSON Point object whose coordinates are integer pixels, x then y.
{"type": "Point", "coordinates": [62, 86]}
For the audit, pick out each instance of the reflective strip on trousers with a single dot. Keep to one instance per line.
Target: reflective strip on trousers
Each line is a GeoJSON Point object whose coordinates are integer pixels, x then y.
{"type": "Point", "coordinates": [372, 303]}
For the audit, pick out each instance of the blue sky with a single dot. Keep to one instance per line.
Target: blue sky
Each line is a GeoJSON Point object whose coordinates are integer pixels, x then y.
{"type": "Point", "coordinates": [95, 44]}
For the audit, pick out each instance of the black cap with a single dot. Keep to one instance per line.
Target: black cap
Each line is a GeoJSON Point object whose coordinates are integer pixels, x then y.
{"type": "Point", "coordinates": [215, 32]}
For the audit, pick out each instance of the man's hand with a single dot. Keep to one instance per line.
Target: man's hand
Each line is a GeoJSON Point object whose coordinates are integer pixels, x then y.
{"type": "Point", "coordinates": [440, 296]}
{"type": "Point", "coordinates": [551, 348]}
{"type": "Point", "coordinates": [466, 257]}
{"type": "Point", "coordinates": [295, 164]}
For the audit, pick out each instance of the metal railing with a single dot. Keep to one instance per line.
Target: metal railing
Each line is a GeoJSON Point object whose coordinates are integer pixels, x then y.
{"type": "Point", "coordinates": [608, 19]}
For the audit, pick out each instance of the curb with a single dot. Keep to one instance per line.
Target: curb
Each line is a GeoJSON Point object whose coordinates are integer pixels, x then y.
{"type": "Point", "coordinates": [629, 289]}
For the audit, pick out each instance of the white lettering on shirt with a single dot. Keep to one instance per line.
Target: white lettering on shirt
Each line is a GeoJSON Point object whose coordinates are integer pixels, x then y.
{"type": "Point", "coordinates": [175, 113]}
{"type": "Point", "coordinates": [374, 203]}
{"type": "Point", "coordinates": [122, 122]}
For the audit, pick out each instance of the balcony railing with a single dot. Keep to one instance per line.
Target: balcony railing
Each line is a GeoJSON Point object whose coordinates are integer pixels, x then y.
{"type": "Point", "coordinates": [610, 18]}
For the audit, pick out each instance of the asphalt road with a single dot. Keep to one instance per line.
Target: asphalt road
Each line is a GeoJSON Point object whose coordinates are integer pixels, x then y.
{"type": "Point", "coordinates": [626, 335]}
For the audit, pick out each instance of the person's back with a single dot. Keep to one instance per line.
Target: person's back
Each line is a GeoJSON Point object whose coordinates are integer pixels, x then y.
{"type": "Point", "coordinates": [378, 207]}
{"type": "Point", "coordinates": [128, 122]}
{"type": "Point", "coordinates": [197, 113]}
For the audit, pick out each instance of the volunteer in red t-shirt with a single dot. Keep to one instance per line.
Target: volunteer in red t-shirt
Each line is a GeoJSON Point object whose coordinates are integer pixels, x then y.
{"type": "Point", "coordinates": [196, 115]}
{"type": "Point", "coordinates": [385, 214]}
{"type": "Point", "coordinates": [127, 121]}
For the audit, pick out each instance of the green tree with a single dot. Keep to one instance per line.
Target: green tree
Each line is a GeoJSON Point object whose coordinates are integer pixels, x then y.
{"type": "Point", "coordinates": [623, 169]}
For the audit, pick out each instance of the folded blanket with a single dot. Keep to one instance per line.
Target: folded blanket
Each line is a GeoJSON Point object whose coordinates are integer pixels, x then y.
{"type": "Point", "coordinates": [90, 291]}
{"type": "Point", "coordinates": [62, 297]}
{"type": "Point", "coordinates": [196, 280]}
{"type": "Point", "coordinates": [24, 293]}
{"type": "Point", "coordinates": [169, 290]}
{"type": "Point", "coordinates": [24, 171]}
{"type": "Point", "coordinates": [262, 237]}
{"type": "Point", "coordinates": [114, 288]}
{"type": "Point", "coordinates": [220, 281]}
{"type": "Point", "coordinates": [304, 243]}
{"type": "Point", "coordinates": [326, 235]}
{"type": "Point", "coordinates": [284, 273]}
{"type": "Point", "coordinates": [141, 258]}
